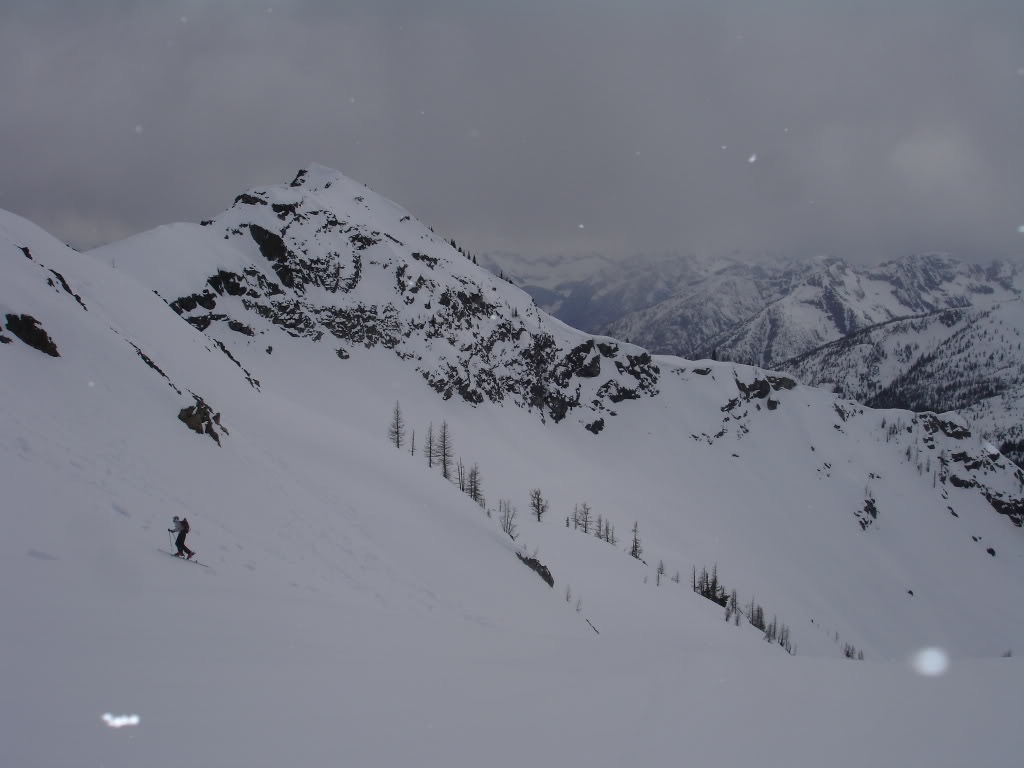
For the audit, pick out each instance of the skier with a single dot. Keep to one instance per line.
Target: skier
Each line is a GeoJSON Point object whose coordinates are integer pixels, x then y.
{"type": "Point", "coordinates": [181, 527]}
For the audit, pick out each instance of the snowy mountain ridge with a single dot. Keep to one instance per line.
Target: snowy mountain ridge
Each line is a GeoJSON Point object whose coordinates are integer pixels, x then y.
{"type": "Point", "coordinates": [965, 360]}
{"type": "Point", "coordinates": [394, 285]}
{"type": "Point", "coordinates": [244, 372]}
{"type": "Point", "coordinates": [840, 300]}
{"type": "Point", "coordinates": [795, 316]}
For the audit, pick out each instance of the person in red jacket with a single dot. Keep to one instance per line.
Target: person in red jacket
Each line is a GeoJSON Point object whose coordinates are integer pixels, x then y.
{"type": "Point", "coordinates": [181, 527]}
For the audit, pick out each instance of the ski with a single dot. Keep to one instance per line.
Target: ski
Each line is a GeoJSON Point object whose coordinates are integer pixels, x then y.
{"type": "Point", "coordinates": [194, 562]}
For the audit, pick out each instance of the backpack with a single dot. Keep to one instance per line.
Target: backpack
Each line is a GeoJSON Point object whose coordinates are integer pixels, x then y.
{"type": "Point", "coordinates": [185, 527]}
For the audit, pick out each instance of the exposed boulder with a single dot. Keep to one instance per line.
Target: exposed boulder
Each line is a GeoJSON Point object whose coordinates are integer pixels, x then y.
{"type": "Point", "coordinates": [201, 419]}
{"type": "Point", "coordinates": [535, 565]}
{"type": "Point", "coordinates": [28, 329]}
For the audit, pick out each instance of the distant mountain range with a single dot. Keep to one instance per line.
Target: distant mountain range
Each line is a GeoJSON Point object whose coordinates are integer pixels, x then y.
{"type": "Point", "coordinates": [829, 322]}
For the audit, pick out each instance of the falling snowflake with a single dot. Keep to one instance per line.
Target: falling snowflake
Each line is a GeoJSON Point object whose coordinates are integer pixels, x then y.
{"type": "Point", "coordinates": [752, 158]}
{"type": "Point", "coordinates": [184, 19]}
{"type": "Point", "coordinates": [1021, 230]}
{"type": "Point", "coordinates": [725, 146]}
{"type": "Point", "coordinates": [120, 721]}
{"type": "Point", "coordinates": [581, 226]}
{"type": "Point", "coordinates": [138, 129]}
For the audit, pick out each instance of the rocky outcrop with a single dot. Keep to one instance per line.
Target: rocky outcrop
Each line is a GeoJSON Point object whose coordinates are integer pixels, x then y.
{"type": "Point", "coordinates": [535, 565]}
{"type": "Point", "coordinates": [201, 419]}
{"type": "Point", "coordinates": [28, 329]}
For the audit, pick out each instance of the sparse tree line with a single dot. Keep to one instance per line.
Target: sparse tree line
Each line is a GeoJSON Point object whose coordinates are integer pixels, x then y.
{"type": "Point", "coordinates": [472, 257]}
{"type": "Point", "coordinates": [438, 450]}
{"type": "Point", "coordinates": [708, 586]}
{"type": "Point", "coordinates": [583, 520]}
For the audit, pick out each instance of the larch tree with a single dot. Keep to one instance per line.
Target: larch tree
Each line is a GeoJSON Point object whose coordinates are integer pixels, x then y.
{"type": "Point", "coordinates": [538, 505]}
{"type": "Point", "coordinates": [583, 517]}
{"type": "Point", "coordinates": [635, 550]}
{"type": "Point", "coordinates": [396, 430]}
{"type": "Point", "coordinates": [507, 518]}
{"type": "Point", "coordinates": [474, 485]}
{"type": "Point", "coordinates": [445, 451]}
{"type": "Point", "coordinates": [429, 448]}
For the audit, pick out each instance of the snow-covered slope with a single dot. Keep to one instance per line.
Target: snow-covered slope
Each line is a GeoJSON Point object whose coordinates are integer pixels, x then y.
{"type": "Point", "coordinates": [359, 609]}
{"type": "Point", "coordinates": [966, 360]}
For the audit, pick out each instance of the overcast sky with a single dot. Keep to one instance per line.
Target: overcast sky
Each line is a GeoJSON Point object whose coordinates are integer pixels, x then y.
{"type": "Point", "coordinates": [858, 129]}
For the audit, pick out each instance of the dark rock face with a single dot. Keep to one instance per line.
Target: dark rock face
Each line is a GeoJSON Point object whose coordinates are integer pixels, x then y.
{"type": "Point", "coordinates": [595, 426]}
{"type": "Point", "coordinates": [226, 282]}
{"type": "Point", "coordinates": [535, 565]}
{"type": "Point", "coordinates": [247, 199]}
{"type": "Point", "coordinates": [761, 388]}
{"type": "Point", "coordinates": [200, 419]}
{"type": "Point", "coordinates": [274, 250]}
{"type": "Point", "coordinates": [149, 361]}
{"type": "Point", "coordinates": [867, 515]}
{"type": "Point", "coordinates": [67, 288]}
{"type": "Point", "coordinates": [206, 300]}
{"type": "Point", "coordinates": [241, 328]}
{"type": "Point", "coordinates": [932, 424]}
{"type": "Point", "coordinates": [1012, 508]}
{"type": "Point", "coordinates": [27, 328]}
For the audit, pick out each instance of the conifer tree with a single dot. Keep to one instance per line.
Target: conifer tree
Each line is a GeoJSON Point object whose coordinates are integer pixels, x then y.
{"type": "Point", "coordinates": [429, 448]}
{"type": "Point", "coordinates": [396, 430]}
{"type": "Point", "coordinates": [635, 550]}
{"type": "Point", "coordinates": [445, 451]}
{"type": "Point", "coordinates": [474, 486]}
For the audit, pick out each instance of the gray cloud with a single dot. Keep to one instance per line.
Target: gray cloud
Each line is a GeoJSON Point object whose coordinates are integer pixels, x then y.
{"type": "Point", "coordinates": [879, 128]}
